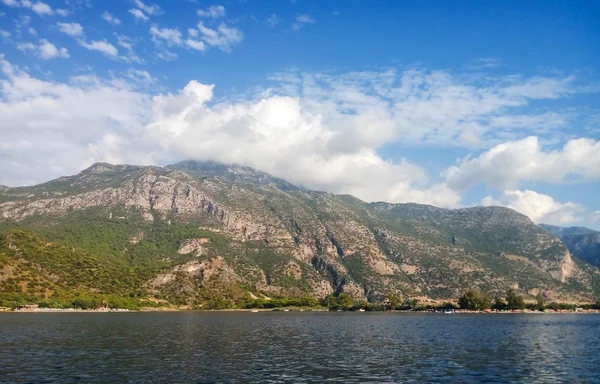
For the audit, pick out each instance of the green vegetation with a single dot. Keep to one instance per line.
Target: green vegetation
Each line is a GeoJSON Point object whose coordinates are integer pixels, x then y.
{"type": "Point", "coordinates": [473, 300]}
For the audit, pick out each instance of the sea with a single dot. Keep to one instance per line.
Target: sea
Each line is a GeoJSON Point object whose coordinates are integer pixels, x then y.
{"type": "Point", "coordinates": [298, 347]}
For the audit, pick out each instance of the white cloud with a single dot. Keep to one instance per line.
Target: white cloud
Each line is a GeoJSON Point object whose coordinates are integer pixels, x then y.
{"type": "Point", "coordinates": [48, 51]}
{"type": "Point", "coordinates": [166, 55]}
{"type": "Point", "coordinates": [139, 15]}
{"type": "Point", "coordinates": [110, 18]}
{"type": "Point", "coordinates": [333, 124]}
{"type": "Point", "coordinates": [167, 35]}
{"type": "Point", "coordinates": [42, 8]}
{"type": "Point", "coordinates": [261, 133]}
{"type": "Point", "coordinates": [196, 45]}
{"type": "Point", "coordinates": [45, 50]}
{"type": "Point", "coordinates": [214, 12]}
{"type": "Point", "coordinates": [595, 217]}
{"type": "Point", "coordinates": [485, 63]}
{"type": "Point", "coordinates": [71, 29]}
{"type": "Point", "coordinates": [38, 7]}
{"type": "Point", "coordinates": [4, 34]}
{"type": "Point", "coordinates": [151, 9]}
{"type": "Point", "coordinates": [273, 20]}
{"type": "Point", "coordinates": [32, 31]}
{"type": "Point", "coordinates": [507, 165]}
{"type": "Point", "coordinates": [302, 20]}
{"type": "Point", "coordinates": [140, 77]}
{"type": "Point", "coordinates": [102, 46]}
{"type": "Point", "coordinates": [127, 43]}
{"type": "Point", "coordinates": [223, 37]}
{"type": "Point", "coordinates": [12, 3]}
{"type": "Point", "coordinates": [42, 121]}
{"type": "Point", "coordinates": [193, 32]}
{"type": "Point", "coordinates": [538, 207]}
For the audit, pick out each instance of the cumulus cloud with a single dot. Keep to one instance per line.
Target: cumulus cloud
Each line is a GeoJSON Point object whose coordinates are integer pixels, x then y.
{"type": "Point", "coordinates": [258, 133]}
{"type": "Point", "coordinates": [508, 164]}
{"type": "Point", "coordinates": [213, 12]}
{"type": "Point", "coordinates": [42, 125]}
{"type": "Point", "coordinates": [71, 29]}
{"type": "Point", "coordinates": [45, 50]}
{"type": "Point", "coordinates": [196, 45]}
{"type": "Point", "coordinates": [334, 125]}
{"type": "Point", "coordinates": [38, 7]}
{"type": "Point", "coordinates": [110, 18]}
{"type": "Point", "coordinates": [101, 46]}
{"type": "Point", "coordinates": [302, 20]}
{"type": "Point", "coordinates": [538, 207]}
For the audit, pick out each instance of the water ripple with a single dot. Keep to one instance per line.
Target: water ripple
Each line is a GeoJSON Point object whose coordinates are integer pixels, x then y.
{"type": "Point", "coordinates": [297, 348]}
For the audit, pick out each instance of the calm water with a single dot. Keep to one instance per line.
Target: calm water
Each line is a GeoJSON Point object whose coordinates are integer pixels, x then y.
{"type": "Point", "coordinates": [297, 347]}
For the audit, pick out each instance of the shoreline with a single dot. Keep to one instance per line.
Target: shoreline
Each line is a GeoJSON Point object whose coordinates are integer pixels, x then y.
{"type": "Point", "coordinates": [255, 310]}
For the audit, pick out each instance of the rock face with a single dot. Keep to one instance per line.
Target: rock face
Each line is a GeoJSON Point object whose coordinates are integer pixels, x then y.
{"type": "Point", "coordinates": [584, 243]}
{"type": "Point", "coordinates": [267, 236]}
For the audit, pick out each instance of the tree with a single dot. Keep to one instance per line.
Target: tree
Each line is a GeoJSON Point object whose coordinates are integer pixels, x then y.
{"type": "Point", "coordinates": [513, 300]}
{"type": "Point", "coordinates": [413, 304]}
{"type": "Point", "coordinates": [540, 302]}
{"type": "Point", "coordinates": [393, 301]}
{"type": "Point", "coordinates": [345, 302]}
{"type": "Point", "coordinates": [330, 302]}
{"type": "Point", "coordinates": [473, 300]}
{"type": "Point", "coordinates": [499, 304]}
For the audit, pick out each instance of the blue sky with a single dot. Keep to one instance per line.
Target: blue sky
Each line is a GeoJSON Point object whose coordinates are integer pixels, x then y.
{"type": "Point", "coordinates": [444, 103]}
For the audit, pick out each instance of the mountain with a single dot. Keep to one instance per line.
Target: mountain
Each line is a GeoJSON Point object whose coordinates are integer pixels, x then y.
{"type": "Point", "coordinates": [193, 233]}
{"type": "Point", "coordinates": [581, 242]}
{"type": "Point", "coordinates": [567, 231]}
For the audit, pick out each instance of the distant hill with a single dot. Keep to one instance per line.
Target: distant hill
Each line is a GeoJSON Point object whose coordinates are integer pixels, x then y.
{"type": "Point", "coordinates": [582, 242]}
{"type": "Point", "coordinates": [196, 232]}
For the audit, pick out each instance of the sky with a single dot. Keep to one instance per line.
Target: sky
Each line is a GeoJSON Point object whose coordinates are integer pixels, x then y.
{"type": "Point", "coordinates": [453, 104]}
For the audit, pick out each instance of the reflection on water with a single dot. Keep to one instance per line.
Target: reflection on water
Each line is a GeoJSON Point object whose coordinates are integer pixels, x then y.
{"type": "Point", "coordinates": [297, 347]}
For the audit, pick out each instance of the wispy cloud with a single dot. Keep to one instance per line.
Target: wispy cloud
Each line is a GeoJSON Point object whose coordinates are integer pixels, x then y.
{"type": "Point", "coordinates": [302, 20]}
{"type": "Point", "coordinates": [127, 43]}
{"type": "Point", "coordinates": [170, 36]}
{"type": "Point", "coordinates": [485, 63]}
{"type": "Point", "coordinates": [223, 37]}
{"type": "Point", "coordinates": [273, 20]}
{"type": "Point", "coordinates": [151, 9]}
{"type": "Point", "coordinates": [110, 18]}
{"type": "Point", "coordinates": [139, 15]}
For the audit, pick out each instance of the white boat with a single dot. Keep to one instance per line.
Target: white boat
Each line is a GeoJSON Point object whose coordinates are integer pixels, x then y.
{"type": "Point", "coordinates": [255, 310]}
{"type": "Point", "coordinates": [361, 310]}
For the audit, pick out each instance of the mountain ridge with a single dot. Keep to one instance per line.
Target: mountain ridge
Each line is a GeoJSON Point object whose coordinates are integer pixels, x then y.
{"type": "Point", "coordinates": [268, 237]}
{"type": "Point", "coordinates": [581, 241]}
